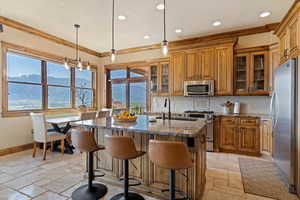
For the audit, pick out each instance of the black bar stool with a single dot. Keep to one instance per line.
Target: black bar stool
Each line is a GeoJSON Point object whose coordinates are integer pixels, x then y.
{"type": "Point", "coordinates": [84, 141]}
{"type": "Point", "coordinates": [172, 156]}
{"type": "Point", "coordinates": [123, 148]}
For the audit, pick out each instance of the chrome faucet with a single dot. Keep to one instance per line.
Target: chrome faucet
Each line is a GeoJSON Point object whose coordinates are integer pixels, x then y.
{"type": "Point", "coordinates": [167, 103]}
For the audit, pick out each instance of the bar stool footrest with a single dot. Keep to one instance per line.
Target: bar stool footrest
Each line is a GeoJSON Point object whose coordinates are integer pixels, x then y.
{"type": "Point", "coordinates": [99, 175]}
{"type": "Point", "coordinates": [131, 196]}
{"type": "Point", "coordinates": [185, 196]}
{"type": "Point", "coordinates": [84, 193]}
{"type": "Point", "coordinates": [132, 184]}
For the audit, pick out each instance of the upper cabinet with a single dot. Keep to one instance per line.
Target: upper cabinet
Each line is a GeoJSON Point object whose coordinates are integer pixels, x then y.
{"type": "Point", "coordinates": [206, 58]}
{"type": "Point", "coordinates": [288, 34]}
{"type": "Point", "coordinates": [178, 62]}
{"type": "Point", "coordinates": [192, 65]}
{"type": "Point", "coordinates": [274, 63]}
{"type": "Point", "coordinates": [159, 78]}
{"type": "Point", "coordinates": [224, 70]}
{"type": "Point", "coordinates": [251, 71]}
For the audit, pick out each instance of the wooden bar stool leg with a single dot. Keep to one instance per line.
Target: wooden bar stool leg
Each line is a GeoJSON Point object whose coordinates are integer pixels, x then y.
{"type": "Point", "coordinates": [34, 149]}
{"type": "Point", "coordinates": [62, 144]}
{"type": "Point", "coordinates": [44, 150]}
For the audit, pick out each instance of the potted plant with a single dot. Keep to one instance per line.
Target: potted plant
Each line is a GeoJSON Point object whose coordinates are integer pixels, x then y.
{"type": "Point", "coordinates": [226, 107]}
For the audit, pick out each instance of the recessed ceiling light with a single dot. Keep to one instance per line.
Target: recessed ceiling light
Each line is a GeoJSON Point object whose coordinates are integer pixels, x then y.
{"type": "Point", "coordinates": [160, 6]}
{"type": "Point", "coordinates": [265, 14]}
{"type": "Point", "coordinates": [217, 23]}
{"type": "Point", "coordinates": [178, 30]}
{"type": "Point", "coordinates": [146, 37]}
{"type": "Point", "coordinates": [121, 17]}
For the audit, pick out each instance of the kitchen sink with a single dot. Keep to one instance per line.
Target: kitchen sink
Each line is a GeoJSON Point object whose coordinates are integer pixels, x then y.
{"type": "Point", "coordinates": [179, 118]}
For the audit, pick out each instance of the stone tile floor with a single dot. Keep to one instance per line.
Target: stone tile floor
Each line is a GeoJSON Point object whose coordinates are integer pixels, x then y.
{"type": "Point", "coordinates": [23, 178]}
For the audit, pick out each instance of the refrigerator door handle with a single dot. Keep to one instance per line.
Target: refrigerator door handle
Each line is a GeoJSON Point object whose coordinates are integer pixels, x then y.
{"type": "Point", "coordinates": [272, 110]}
{"type": "Point", "coordinates": [275, 110]}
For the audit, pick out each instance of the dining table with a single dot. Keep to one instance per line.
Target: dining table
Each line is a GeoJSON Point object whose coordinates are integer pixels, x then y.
{"type": "Point", "coordinates": [63, 125]}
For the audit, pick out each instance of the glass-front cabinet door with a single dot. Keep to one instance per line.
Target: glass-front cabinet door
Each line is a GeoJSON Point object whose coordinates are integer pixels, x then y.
{"type": "Point", "coordinates": [159, 78]}
{"type": "Point", "coordinates": [164, 77]}
{"type": "Point", "coordinates": [154, 78]}
{"type": "Point", "coordinates": [241, 74]}
{"type": "Point", "coordinates": [259, 73]}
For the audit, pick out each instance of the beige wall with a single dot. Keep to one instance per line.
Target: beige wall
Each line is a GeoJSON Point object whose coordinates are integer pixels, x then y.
{"type": "Point", "coordinates": [17, 131]}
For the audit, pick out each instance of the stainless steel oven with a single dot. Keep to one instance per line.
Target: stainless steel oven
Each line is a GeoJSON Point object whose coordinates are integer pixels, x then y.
{"type": "Point", "coordinates": [199, 88]}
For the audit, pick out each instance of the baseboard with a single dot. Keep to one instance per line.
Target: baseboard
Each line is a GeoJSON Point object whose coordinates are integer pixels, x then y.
{"type": "Point", "coordinates": [15, 149]}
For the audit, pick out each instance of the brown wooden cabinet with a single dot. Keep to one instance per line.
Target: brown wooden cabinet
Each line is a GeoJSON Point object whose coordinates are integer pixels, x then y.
{"type": "Point", "coordinates": [159, 78]}
{"type": "Point", "coordinates": [288, 34]}
{"type": "Point", "coordinates": [274, 63]}
{"type": "Point", "coordinates": [266, 136]}
{"type": "Point", "coordinates": [192, 69]}
{"type": "Point", "coordinates": [239, 135]}
{"type": "Point", "coordinates": [206, 63]}
{"type": "Point", "coordinates": [224, 70]}
{"type": "Point", "coordinates": [251, 71]}
{"type": "Point", "coordinates": [178, 63]}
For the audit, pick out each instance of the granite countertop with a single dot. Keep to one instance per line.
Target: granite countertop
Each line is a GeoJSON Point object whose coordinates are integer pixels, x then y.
{"type": "Point", "coordinates": [160, 127]}
{"type": "Point", "coordinates": [261, 116]}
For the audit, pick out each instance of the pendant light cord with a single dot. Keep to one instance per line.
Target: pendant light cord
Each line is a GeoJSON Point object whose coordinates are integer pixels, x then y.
{"type": "Point", "coordinates": [77, 27]}
{"type": "Point", "coordinates": [113, 25]}
{"type": "Point", "coordinates": [165, 35]}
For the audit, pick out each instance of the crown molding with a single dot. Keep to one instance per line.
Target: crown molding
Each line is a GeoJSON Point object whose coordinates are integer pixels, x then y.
{"type": "Point", "coordinates": [36, 32]}
{"type": "Point", "coordinates": [198, 40]}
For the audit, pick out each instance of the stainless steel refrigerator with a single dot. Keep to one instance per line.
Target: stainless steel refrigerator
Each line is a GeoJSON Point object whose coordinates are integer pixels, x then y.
{"type": "Point", "coordinates": [284, 110]}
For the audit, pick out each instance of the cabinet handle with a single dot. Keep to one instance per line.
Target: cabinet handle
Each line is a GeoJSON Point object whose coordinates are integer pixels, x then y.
{"type": "Point", "coordinates": [286, 53]}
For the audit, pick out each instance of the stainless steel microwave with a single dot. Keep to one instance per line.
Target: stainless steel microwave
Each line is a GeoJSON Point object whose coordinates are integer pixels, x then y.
{"type": "Point", "coordinates": [199, 88]}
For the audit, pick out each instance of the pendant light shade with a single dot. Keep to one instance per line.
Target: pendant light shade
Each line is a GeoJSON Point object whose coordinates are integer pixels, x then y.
{"type": "Point", "coordinates": [164, 44]}
{"type": "Point", "coordinates": [113, 51]}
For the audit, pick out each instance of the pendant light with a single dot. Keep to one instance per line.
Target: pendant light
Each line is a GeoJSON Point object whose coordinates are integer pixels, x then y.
{"type": "Point", "coordinates": [79, 64]}
{"type": "Point", "coordinates": [113, 51]}
{"type": "Point", "coordinates": [164, 44]}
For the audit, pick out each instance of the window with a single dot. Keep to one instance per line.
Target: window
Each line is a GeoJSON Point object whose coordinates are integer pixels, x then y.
{"type": "Point", "coordinates": [84, 87]}
{"type": "Point", "coordinates": [127, 88]}
{"type": "Point", "coordinates": [39, 84]}
{"type": "Point", "coordinates": [24, 83]}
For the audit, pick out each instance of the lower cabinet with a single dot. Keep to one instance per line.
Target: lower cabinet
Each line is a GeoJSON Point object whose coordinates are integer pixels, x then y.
{"type": "Point", "coordinates": [239, 135]}
{"type": "Point", "coordinates": [266, 136]}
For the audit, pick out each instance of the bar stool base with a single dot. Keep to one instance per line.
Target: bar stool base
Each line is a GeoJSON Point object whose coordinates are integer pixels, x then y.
{"type": "Point", "coordinates": [131, 196]}
{"type": "Point", "coordinates": [83, 192]}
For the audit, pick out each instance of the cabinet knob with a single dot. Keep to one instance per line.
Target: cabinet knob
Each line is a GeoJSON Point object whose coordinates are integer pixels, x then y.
{"type": "Point", "coordinates": [286, 53]}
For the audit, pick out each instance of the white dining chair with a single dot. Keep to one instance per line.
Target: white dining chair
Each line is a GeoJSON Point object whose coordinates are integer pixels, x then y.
{"type": "Point", "coordinates": [88, 115]}
{"type": "Point", "coordinates": [42, 135]}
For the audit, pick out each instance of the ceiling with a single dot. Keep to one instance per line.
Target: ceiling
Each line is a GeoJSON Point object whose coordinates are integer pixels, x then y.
{"type": "Point", "coordinates": [195, 17]}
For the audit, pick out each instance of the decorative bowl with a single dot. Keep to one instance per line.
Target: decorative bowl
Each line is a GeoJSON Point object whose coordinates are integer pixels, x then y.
{"type": "Point", "coordinates": [132, 119]}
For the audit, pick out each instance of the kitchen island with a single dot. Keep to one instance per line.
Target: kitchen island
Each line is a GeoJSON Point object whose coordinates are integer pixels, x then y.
{"type": "Point", "coordinates": [153, 178]}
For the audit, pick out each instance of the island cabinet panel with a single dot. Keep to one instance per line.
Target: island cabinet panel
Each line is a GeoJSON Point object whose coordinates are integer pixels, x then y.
{"type": "Point", "coordinates": [192, 67]}
{"type": "Point", "coordinates": [224, 70]}
{"type": "Point", "coordinates": [154, 179]}
{"type": "Point", "coordinates": [238, 135]}
{"type": "Point", "coordinates": [206, 58]}
{"type": "Point", "coordinates": [178, 63]}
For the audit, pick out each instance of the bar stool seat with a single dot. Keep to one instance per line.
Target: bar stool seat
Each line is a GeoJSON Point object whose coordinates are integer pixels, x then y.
{"type": "Point", "coordinates": [84, 141]}
{"type": "Point", "coordinates": [172, 156]}
{"type": "Point", "coordinates": [123, 148]}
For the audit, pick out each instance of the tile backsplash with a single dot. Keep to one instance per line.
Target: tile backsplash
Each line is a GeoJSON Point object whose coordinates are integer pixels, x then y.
{"type": "Point", "coordinates": [249, 104]}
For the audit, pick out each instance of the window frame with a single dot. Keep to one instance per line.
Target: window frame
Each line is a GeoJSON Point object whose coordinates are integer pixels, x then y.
{"type": "Point", "coordinates": [44, 58]}
{"type": "Point", "coordinates": [127, 80]}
